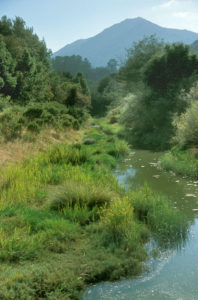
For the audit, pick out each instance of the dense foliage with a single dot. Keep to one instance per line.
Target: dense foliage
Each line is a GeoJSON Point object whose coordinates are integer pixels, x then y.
{"type": "Point", "coordinates": [27, 83]}
{"type": "Point", "coordinates": [186, 125]}
{"type": "Point", "coordinates": [106, 95]}
{"type": "Point", "coordinates": [76, 63]}
{"type": "Point", "coordinates": [138, 56]}
{"type": "Point", "coordinates": [164, 77]}
{"type": "Point", "coordinates": [148, 90]}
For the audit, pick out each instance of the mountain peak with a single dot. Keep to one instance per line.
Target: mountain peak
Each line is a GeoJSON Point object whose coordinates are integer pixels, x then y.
{"type": "Point", "coordinates": [135, 19]}
{"type": "Point", "coordinates": [113, 41]}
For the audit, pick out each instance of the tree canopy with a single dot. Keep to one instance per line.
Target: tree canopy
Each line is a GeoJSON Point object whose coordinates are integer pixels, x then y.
{"type": "Point", "coordinates": [76, 63]}
{"type": "Point", "coordinates": [26, 78]}
{"type": "Point", "coordinates": [161, 73]}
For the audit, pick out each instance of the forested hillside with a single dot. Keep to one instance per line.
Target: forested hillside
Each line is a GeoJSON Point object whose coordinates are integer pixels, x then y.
{"type": "Point", "coordinates": [75, 63]}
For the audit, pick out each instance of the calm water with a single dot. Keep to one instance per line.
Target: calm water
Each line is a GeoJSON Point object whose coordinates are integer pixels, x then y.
{"type": "Point", "coordinates": [174, 275]}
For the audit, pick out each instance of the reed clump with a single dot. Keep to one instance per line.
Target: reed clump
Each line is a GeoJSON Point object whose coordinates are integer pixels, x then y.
{"type": "Point", "coordinates": [181, 162]}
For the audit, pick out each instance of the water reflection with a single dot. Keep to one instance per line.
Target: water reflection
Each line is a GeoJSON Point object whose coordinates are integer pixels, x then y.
{"type": "Point", "coordinates": [174, 274]}
{"type": "Point", "coordinates": [142, 167]}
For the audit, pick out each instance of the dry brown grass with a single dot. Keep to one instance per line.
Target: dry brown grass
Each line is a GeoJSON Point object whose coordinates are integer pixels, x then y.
{"type": "Point", "coordinates": [19, 149]}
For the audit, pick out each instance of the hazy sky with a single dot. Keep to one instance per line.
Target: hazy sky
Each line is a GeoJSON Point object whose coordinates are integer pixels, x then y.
{"type": "Point", "coordinates": [63, 21]}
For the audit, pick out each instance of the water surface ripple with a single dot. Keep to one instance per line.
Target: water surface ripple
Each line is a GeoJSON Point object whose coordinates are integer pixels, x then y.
{"type": "Point", "coordinates": [174, 275]}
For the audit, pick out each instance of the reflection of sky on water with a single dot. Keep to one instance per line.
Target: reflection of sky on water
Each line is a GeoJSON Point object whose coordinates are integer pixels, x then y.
{"type": "Point", "coordinates": [175, 274]}
{"type": "Point", "coordinates": [125, 177]}
{"type": "Point", "coordinates": [141, 168]}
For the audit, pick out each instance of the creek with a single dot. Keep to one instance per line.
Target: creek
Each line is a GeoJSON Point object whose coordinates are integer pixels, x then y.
{"type": "Point", "coordinates": [174, 273]}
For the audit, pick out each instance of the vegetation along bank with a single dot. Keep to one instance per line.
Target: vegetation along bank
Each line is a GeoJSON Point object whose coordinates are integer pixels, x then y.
{"type": "Point", "coordinates": [66, 223]}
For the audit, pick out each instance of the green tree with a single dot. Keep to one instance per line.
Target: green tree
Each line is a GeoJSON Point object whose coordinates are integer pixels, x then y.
{"type": "Point", "coordinates": [7, 69]}
{"type": "Point", "coordinates": [27, 80]}
{"type": "Point", "coordinates": [172, 71]}
{"type": "Point", "coordinates": [186, 126]}
{"type": "Point", "coordinates": [164, 77]}
{"type": "Point", "coordinates": [112, 65]}
{"type": "Point", "coordinates": [83, 84]}
{"type": "Point", "coordinates": [137, 58]}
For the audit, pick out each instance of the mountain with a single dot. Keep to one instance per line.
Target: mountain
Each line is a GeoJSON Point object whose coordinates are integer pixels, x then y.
{"type": "Point", "coordinates": [113, 41]}
{"type": "Point", "coordinates": [194, 47]}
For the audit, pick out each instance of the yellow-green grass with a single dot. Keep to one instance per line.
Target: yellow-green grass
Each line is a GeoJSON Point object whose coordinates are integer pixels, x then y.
{"type": "Point", "coordinates": [168, 226]}
{"type": "Point", "coordinates": [65, 223]}
{"type": "Point", "coordinates": [32, 143]}
{"type": "Point", "coordinates": [182, 162]}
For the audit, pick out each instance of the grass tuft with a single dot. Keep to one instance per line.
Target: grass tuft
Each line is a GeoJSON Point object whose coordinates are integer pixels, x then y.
{"type": "Point", "coordinates": [182, 162]}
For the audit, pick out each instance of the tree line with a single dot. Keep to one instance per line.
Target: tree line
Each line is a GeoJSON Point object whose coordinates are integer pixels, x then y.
{"type": "Point", "coordinates": [32, 94]}
{"type": "Point", "coordinates": [152, 92]}
{"type": "Point", "coordinates": [75, 63]}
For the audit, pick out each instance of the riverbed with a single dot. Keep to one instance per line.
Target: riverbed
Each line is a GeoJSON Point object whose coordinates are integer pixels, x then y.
{"type": "Point", "coordinates": [174, 273]}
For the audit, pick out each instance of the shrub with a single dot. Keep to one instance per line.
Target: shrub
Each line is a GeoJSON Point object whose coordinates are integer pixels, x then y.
{"type": "Point", "coordinates": [118, 218]}
{"type": "Point", "coordinates": [181, 162]}
{"type": "Point", "coordinates": [4, 102]}
{"type": "Point", "coordinates": [187, 127]}
{"type": "Point", "coordinates": [10, 124]}
{"type": "Point", "coordinates": [114, 115]}
{"type": "Point", "coordinates": [76, 125]}
{"type": "Point", "coordinates": [33, 112]}
{"type": "Point", "coordinates": [34, 127]}
{"type": "Point", "coordinates": [68, 120]}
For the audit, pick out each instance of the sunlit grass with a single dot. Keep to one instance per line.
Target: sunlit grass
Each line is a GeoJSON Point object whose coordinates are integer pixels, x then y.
{"type": "Point", "coordinates": [26, 234]}
{"type": "Point", "coordinates": [63, 209]}
{"type": "Point", "coordinates": [180, 162]}
{"type": "Point", "coordinates": [169, 227]}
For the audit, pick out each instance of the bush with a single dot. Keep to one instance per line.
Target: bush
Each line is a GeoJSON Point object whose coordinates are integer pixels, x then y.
{"type": "Point", "coordinates": [35, 116]}
{"type": "Point", "coordinates": [5, 102]}
{"type": "Point", "coordinates": [114, 115]}
{"type": "Point", "coordinates": [68, 120]}
{"type": "Point", "coordinates": [10, 124]}
{"type": "Point", "coordinates": [181, 162]}
{"type": "Point", "coordinates": [34, 127]}
{"type": "Point", "coordinates": [187, 127]}
{"type": "Point", "coordinates": [33, 112]}
{"type": "Point", "coordinates": [118, 218]}
{"type": "Point", "coordinates": [76, 125]}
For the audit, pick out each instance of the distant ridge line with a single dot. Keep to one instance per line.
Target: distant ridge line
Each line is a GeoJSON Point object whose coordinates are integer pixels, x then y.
{"type": "Point", "coordinates": [113, 41]}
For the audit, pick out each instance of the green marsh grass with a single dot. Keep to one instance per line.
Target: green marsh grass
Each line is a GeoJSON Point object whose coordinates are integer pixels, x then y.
{"type": "Point", "coordinates": [169, 226]}
{"type": "Point", "coordinates": [66, 223]}
{"type": "Point", "coordinates": [27, 233]}
{"type": "Point", "coordinates": [182, 162]}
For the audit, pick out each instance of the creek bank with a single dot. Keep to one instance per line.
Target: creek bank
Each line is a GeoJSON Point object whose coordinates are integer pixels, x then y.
{"type": "Point", "coordinates": [77, 225]}
{"type": "Point", "coordinates": [172, 266]}
{"type": "Point", "coordinates": [181, 162]}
